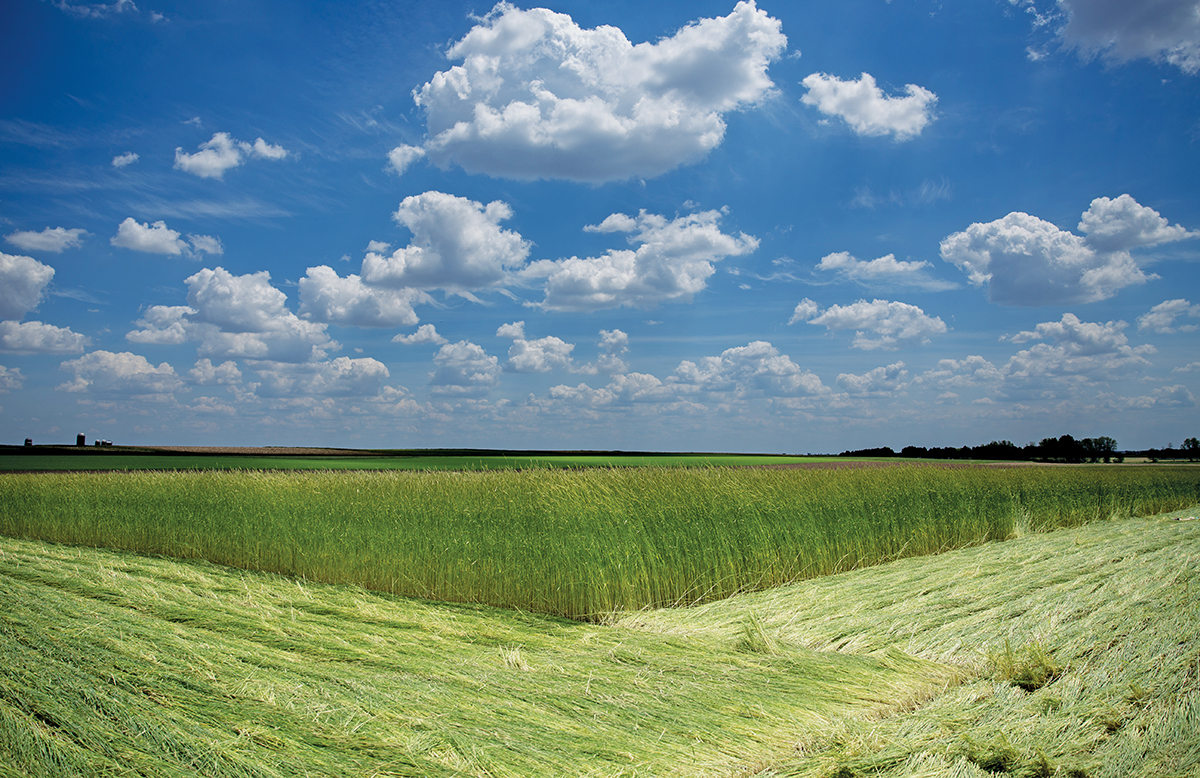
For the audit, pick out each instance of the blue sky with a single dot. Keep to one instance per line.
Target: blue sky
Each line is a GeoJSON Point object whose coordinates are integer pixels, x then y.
{"type": "Point", "coordinates": [778, 227]}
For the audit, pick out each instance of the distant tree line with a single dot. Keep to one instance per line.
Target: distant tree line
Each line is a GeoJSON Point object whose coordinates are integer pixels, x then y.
{"type": "Point", "coordinates": [1060, 449]}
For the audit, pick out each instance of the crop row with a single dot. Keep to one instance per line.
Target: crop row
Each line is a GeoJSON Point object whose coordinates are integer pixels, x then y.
{"type": "Point", "coordinates": [579, 544]}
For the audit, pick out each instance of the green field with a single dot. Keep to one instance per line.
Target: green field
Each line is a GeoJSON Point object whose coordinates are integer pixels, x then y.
{"type": "Point", "coordinates": [66, 458]}
{"type": "Point", "coordinates": [575, 543]}
{"type": "Point", "coordinates": [114, 663]}
{"type": "Point", "coordinates": [336, 623]}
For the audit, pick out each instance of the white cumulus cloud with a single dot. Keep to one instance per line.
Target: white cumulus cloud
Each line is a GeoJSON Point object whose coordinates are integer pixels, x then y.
{"type": "Point", "coordinates": [1024, 260]}
{"type": "Point", "coordinates": [426, 333]}
{"type": "Point", "coordinates": [10, 378]}
{"type": "Point", "coordinates": [879, 382]}
{"type": "Point", "coordinates": [1122, 224]}
{"type": "Point", "coordinates": [1071, 347]}
{"type": "Point", "coordinates": [464, 369]}
{"type": "Point", "coordinates": [123, 373]}
{"type": "Point", "coordinates": [158, 238]}
{"type": "Point", "coordinates": [881, 324]}
{"type": "Point", "coordinates": [863, 106]}
{"type": "Point", "coordinates": [340, 377]}
{"type": "Point", "coordinates": [124, 160]}
{"type": "Point", "coordinates": [885, 270]}
{"type": "Point", "coordinates": [54, 240]}
{"type": "Point", "coordinates": [757, 368]}
{"type": "Point", "coordinates": [327, 297]}
{"type": "Point", "coordinates": [614, 344]}
{"type": "Point", "coordinates": [206, 244]}
{"type": "Point", "coordinates": [458, 245]}
{"type": "Point", "coordinates": [973, 371]}
{"type": "Point", "coordinates": [22, 283]}
{"type": "Point", "coordinates": [206, 373]}
{"type": "Point", "coordinates": [514, 330]}
{"type": "Point", "coordinates": [236, 317]}
{"type": "Point", "coordinates": [537, 96]}
{"type": "Point", "coordinates": [221, 153]}
{"type": "Point", "coordinates": [805, 310]}
{"type": "Point", "coordinates": [165, 325]}
{"type": "Point", "coordinates": [1161, 318]}
{"type": "Point", "coordinates": [34, 337]}
{"type": "Point", "coordinates": [539, 356]}
{"type": "Point", "coordinates": [1077, 337]}
{"type": "Point", "coordinates": [673, 261]}
{"type": "Point", "coordinates": [402, 156]}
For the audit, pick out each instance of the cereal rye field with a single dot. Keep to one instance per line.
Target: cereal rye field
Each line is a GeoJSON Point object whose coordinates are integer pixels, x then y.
{"type": "Point", "coordinates": [1063, 641]}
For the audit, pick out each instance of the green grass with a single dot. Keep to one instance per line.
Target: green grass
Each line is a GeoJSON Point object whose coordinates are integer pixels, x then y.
{"type": "Point", "coordinates": [581, 544]}
{"type": "Point", "coordinates": [114, 663]}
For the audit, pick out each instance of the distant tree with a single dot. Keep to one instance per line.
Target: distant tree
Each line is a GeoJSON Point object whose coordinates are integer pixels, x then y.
{"type": "Point", "coordinates": [998, 449]}
{"type": "Point", "coordinates": [1099, 448]}
{"type": "Point", "coordinates": [1063, 449]}
{"type": "Point", "coordinates": [1191, 447]}
{"type": "Point", "coordinates": [883, 451]}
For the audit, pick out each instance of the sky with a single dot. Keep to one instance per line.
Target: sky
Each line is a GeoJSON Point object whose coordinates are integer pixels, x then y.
{"type": "Point", "coordinates": [778, 227]}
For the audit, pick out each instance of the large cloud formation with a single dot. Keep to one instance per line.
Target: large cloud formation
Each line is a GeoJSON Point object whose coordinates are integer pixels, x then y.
{"type": "Point", "coordinates": [537, 96]}
{"type": "Point", "coordinates": [1121, 30]}
{"type": "Point", "coordinates": [121, 373]}
{"type": "Point", "coordinates": [1070, 348]}
{"type": "Point", "coordinates": [673, 261]}
{"type": "Point", "coordinates": [1027, 261]}
{"type": "Point", "coordinates": [235, 317]}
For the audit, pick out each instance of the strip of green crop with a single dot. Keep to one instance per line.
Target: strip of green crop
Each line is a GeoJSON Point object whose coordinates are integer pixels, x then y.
{"type": "Point", "coordinates": [16, 460]}
{"type": "Point", "coordinates": [580, 544]}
